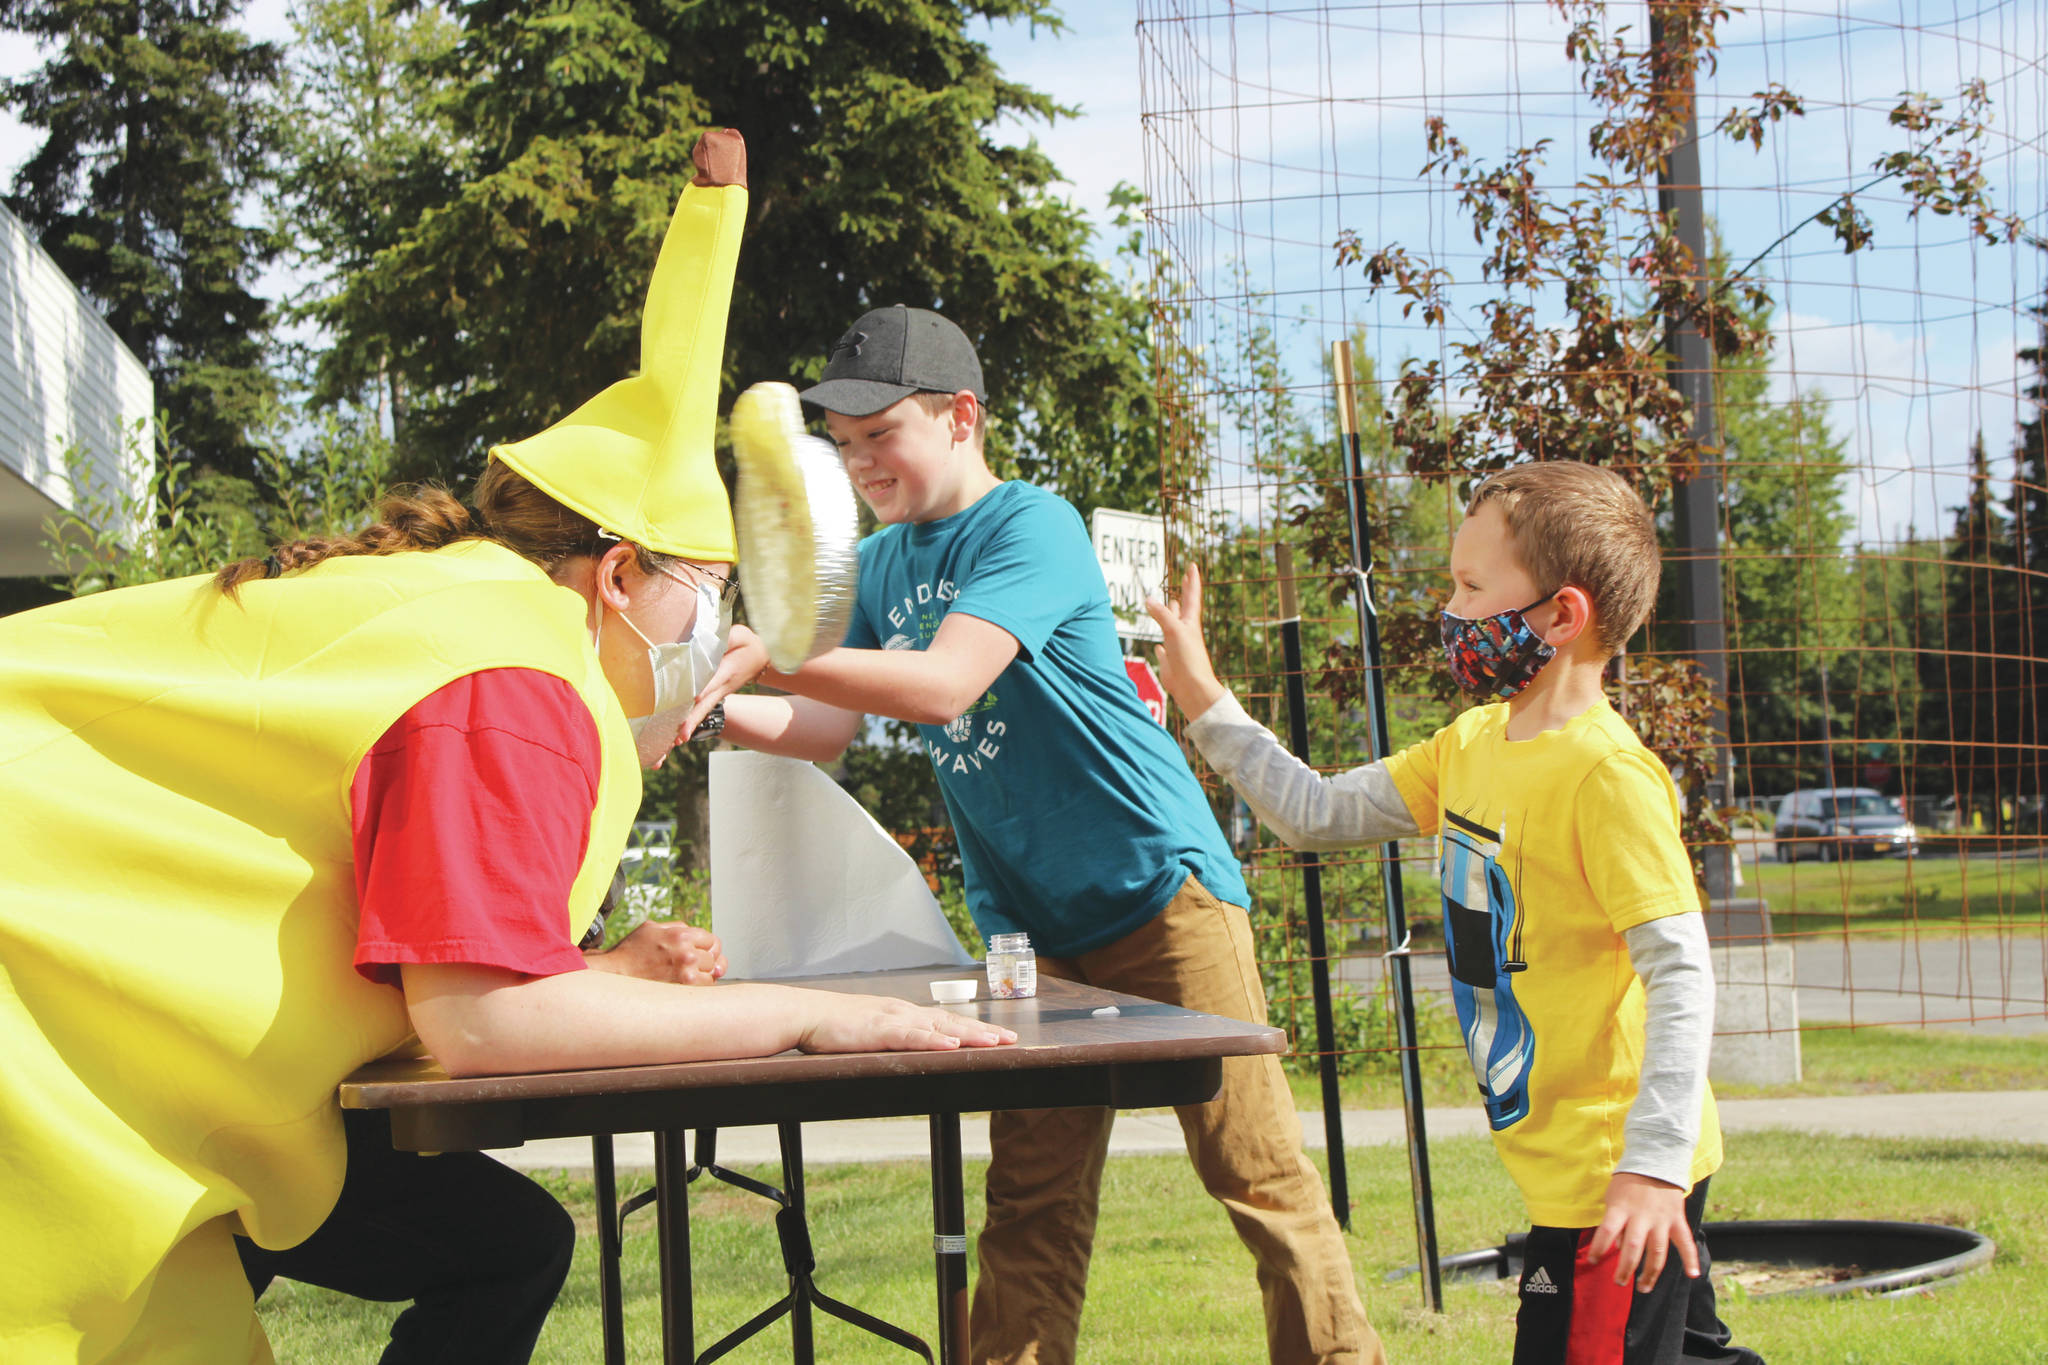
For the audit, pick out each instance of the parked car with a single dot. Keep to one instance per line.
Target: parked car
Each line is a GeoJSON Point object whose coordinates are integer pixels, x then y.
{"type": "Point", "coordinates": [1841, 822]}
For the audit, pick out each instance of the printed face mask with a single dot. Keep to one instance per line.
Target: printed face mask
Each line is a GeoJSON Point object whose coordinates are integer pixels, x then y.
{"type": "Point", "coordinates": [1495, 656]}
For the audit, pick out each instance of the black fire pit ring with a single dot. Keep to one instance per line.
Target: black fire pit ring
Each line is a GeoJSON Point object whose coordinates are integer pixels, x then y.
{"type": "Point", "coordinates": [1898, 1259]}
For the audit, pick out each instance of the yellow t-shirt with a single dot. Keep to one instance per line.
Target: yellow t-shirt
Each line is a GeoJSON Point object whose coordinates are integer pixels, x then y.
{"type": "Point", "coordinates": [1551, 848]}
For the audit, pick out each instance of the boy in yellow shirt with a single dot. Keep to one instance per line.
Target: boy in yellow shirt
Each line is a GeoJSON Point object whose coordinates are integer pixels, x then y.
{"type": "Point", "coordinates": [1578, 958]}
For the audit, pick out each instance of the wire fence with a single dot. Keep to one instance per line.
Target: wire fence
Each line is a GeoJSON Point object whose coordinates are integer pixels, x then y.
{"type": "Point", "coordinates": [1463, 192]}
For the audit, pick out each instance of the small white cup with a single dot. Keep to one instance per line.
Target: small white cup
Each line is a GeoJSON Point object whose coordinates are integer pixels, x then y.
{"type": "Point", "coordinates": [954, 992]}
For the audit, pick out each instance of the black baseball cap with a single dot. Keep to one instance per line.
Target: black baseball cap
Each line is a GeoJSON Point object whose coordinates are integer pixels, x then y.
{"type": "Point", "coordinates": [890, 354]}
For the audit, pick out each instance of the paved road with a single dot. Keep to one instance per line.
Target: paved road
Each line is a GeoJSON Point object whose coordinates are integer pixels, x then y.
{"type": "Point", "coordinates": [1988, 982]}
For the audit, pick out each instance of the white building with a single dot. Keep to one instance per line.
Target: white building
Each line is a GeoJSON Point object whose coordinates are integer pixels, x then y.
{"type": "Point", "coordinates": [66, 381]}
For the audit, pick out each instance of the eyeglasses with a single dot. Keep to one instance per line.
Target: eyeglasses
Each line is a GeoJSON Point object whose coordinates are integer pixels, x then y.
{"type": "Point", "coordinates": [728, 588]}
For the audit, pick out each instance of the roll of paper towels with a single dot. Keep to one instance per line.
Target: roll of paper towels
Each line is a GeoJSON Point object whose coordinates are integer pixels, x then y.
{"type": "Point", "coordinates": [805, 883]}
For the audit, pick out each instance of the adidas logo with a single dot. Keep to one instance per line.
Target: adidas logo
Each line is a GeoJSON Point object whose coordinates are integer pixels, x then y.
{"type": "Point", "coordinates": [1540, 1282]}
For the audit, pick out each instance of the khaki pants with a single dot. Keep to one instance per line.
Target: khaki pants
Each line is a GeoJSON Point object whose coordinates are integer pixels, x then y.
{"type": "Point", "coordinates": [1046, 1167]}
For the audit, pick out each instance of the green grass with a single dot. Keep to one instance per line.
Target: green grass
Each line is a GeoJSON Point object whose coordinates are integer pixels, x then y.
{"type": "Point", "coordinates": [1884, 895]}
{"type": "Point", "coordinates": [1835, 1061]}
{"type": "Point", "coordinates": [1171, 1284]}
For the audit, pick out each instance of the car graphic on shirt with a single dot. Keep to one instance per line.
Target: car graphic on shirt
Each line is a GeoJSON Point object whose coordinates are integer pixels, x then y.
{"type": "Point", "coordinates": [1481, 936]}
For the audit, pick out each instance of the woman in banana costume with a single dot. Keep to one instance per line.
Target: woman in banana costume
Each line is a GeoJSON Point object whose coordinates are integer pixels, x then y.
{"type": "Point", "coordinates": [264, 827]}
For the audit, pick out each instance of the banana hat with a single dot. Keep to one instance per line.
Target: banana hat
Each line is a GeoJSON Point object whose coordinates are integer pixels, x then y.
{"type": "Point", "coordinates": [639, 459]}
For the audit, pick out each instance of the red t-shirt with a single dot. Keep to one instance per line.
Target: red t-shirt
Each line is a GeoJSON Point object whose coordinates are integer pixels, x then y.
{"type": "Point", "coordinates": [471, 816]}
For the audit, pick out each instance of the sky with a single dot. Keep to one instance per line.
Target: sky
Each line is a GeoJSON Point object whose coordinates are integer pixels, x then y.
{"type": "Point", "coordinates": [1271, 130]}
{"type": "Point", "coordinates": [1089, 67]}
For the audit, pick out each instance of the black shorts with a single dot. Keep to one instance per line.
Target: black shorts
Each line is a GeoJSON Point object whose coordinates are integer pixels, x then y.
{"type": "Point", "coordinates": [1575, 1314]}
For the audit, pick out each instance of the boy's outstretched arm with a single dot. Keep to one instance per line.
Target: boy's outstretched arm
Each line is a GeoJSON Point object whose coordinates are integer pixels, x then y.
{"type": "Point", "coordinates": [931, 686]}
{"type": "Point", "coordinates": [794, 727]}
{"type": "Point", "coordinates": [1306, 809]}
{"type": "Point", "coordinates": [831, 693]}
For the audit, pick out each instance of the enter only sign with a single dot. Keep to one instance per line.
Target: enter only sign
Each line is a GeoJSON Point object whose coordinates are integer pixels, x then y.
{"type": "Point", "coordinates": [1131, 547]}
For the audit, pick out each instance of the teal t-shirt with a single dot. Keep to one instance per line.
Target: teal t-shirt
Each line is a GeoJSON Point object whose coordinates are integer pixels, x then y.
{"type": "Point", "coordinates": [1076, 814]}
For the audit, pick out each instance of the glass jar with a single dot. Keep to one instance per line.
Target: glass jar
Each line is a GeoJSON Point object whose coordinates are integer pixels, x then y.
{"type": "Point", "coordinates": [1012, 967]}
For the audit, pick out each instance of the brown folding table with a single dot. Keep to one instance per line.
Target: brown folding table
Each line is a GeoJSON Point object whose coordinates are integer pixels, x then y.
{"type": "Point", "coordinates": [1146, 1055]}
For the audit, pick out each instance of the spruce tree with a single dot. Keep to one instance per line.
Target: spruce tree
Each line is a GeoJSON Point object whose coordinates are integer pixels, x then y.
{"type": "Point", "coordinates": [1794, 635]}
{"type": "Point", "coordinates": [367, 151]}
{"type": "Point", "coordinates": [157, 123]}
{"type": "Point", "coordinates": [1972, 708]}
{"type": "Point", "coordinates": [2026, 631]}
{"type": "Point", "coordinates": [876, 178]}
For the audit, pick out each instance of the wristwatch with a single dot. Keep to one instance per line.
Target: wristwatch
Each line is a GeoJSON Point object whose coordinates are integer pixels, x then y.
{"type": "Point", "coordinates": [712, 726]}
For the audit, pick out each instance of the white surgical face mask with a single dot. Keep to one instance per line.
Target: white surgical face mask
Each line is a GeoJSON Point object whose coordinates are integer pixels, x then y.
{"type": "Point", "coordinates": [681, 670]}
{"type": "Point", "coordinates": [708, 633]}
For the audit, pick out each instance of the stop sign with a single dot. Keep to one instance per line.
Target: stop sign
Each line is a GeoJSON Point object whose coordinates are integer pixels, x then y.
{"type": "Point", "coordinates": [1149, 690]}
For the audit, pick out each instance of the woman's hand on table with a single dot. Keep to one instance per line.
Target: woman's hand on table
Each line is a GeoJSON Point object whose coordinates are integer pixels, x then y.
{"type": "Point", "coordinates": [664, 951]}
{"type": "Point", "coordinates": [873, 1023]}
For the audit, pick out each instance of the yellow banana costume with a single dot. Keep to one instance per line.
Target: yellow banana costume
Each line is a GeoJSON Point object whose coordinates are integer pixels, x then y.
{"type": "Point", "coordinates": [639, 459]}
{"type": "Point", "coordinates": [177, 894]}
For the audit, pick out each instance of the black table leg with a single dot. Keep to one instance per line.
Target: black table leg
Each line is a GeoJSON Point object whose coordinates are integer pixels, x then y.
{"type": "Point", "coordinates": [672, 1214]}
{"type": "Point", "coordinates": [949, 1238]}
{"type": "Point", "coordinates": [802, 1339]}
{"type": "Point", "coordinates": [611, 1310]}
{"type": "Point", "coordinates": [799, 1262]}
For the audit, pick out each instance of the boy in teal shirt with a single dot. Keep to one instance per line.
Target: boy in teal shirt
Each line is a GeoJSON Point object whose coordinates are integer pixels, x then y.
{"type": "Point", "coordinates": [982, 616]}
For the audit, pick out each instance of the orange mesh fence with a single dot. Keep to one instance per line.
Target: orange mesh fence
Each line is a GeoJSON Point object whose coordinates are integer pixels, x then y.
{"type": "Point", "coordinates": [1486, 201]}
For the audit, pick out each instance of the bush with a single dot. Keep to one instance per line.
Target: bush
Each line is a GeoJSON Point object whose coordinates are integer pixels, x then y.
{"type": "Point", "coordinates": [658, 888]}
